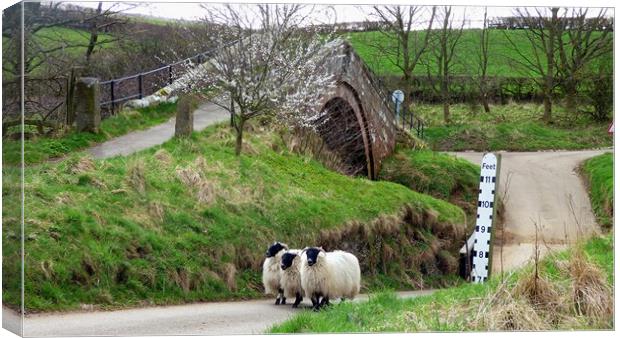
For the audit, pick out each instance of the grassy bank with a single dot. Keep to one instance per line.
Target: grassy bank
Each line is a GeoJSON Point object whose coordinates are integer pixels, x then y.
{"type": "Point", "coordinates": [189, 221]}
{"type": "Point", "coordinates": [511, 127]}
{"type": "Point", "coordinates": [43, 148]}
{"type": "Point", "coordinates": [573, 290]}
{"type": "Point", "coordinates": [440, 175]}
{"type": "Point", "coordinates": [599, 175]}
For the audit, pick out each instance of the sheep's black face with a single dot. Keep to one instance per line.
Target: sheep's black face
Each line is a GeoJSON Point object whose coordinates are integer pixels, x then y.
{"type": "Point", "coordinates": [274, 249]}
{"type": "Point", "coordinates": [287, 260]}
{"type": "Point", "coordinates": [313, 255]}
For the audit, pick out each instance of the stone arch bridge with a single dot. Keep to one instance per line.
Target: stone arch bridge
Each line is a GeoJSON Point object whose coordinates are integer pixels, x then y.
{"type": "Point", "coordinates": [359, 125]}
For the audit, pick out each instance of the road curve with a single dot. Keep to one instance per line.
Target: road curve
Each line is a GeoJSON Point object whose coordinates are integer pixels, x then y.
{"type": "Point", "coordinates": [541, 188]}
{"type": "Point", "coordinates": [206, 115]}
{"type": "Point", "coordinates": [219, 318]}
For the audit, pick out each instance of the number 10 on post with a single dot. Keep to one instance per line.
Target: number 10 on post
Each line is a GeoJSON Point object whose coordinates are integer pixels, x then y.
{"type": "Point", "coordinates": [489, 177]}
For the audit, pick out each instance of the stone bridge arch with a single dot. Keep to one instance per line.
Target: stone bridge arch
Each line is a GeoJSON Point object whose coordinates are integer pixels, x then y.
{"type": "Point", "coordinates": [358, 124]}
{"type": "Point", "coordinates": [344, 129]}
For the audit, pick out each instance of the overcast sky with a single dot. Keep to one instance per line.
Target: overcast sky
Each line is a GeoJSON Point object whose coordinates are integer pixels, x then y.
{"type": "Point", "coordinates": [343, 12]}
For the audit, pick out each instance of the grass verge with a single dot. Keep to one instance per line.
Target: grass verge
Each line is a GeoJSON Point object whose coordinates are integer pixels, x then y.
{"type": "Point", "coordinates": [511, 127]}
{"type": "Point", "coordinates": [599, 176]}
{"type": "Point", "coordinates": [572, 290]}
{"type": "Point", "coordinates": [43, 148]}
{"type": "Point", "coordinates": [189, 221]}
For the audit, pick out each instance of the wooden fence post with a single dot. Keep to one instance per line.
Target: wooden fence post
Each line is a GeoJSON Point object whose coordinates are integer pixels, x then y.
{"type": "Point", "coordinates": [140, 89]}
{"type": "Point", "coordinates": [69, 111]}
{"type": "Point", "coordinates": [88, 111]}
{"type": "Point", "coordinates": [112, 97]}
{"type": "Point", "coordinates": [69, 100]}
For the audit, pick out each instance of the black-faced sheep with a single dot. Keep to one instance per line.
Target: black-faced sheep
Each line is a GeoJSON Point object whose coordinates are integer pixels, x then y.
{"type": "Point", "coordinates": [326, 275]}
{"type": "Point", "coordinates": [272, 272]}
{"type": "Point", "coordinates": [291, 279]}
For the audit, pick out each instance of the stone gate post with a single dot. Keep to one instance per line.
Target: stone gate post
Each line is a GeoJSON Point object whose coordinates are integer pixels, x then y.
{"type": "Point", "coordinates": [87, 110]}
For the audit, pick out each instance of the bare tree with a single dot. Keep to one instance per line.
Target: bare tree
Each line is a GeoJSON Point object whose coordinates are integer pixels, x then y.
{"type": "Point", "coordinates": [444, 43]}
{"type": "Point", "coordinates": [41, 51]}
{"type": "Point", "coordinates": [36, 17]}
{"type": "Point", "coordinates": [541, 32]}
{"type": "Point", "coordinates": [399, 25]}
{"type": "Point", "coordinates": [100, 22]}
{"type": "Point", "coordinates": [580, 41]}
{"type": "Point", "coordinates": [599, 90]}
{"type": "Point", "coordinates": [46, 63]}
{"type": "Point", "coordinates": [269, 68]}
{"type": "Point", "coordinates": [483, 63]}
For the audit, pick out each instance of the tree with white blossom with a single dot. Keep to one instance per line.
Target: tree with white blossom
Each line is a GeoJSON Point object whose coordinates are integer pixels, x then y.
{"type": "Point", "coordinates": [265, 64]}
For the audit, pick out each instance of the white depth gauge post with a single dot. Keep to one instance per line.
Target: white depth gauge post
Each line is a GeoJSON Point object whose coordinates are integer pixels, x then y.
{"type": "Point", "coordinates": [489, 177]}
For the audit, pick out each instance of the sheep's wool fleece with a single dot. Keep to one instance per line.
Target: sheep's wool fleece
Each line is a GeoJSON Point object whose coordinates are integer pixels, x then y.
{"type": "Point", "coordinates": [335, 274]}
{"type": "Point", "coordinates": [272, 273]}
{"type": "Point", "coordinates": [291, 278]}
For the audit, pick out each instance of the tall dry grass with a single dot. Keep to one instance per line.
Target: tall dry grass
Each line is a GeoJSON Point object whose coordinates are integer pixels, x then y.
{"type": "Point", "coordinates": [579, 297]}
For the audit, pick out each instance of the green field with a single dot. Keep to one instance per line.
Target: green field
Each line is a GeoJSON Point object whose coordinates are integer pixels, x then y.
{"type": "Point", "coordinates": [511, 127]}
{"type": "Point", "coordinates": [500, 52]}
{"type": "Point", "coordinates": [162, 21]}
{"type": "Point", "coordinates": [74, 41]}
{"type": "Point", "coordinates": [189, 221]}
{"type": "Point", "coordinates": [599, 175]}
{"type": "Point", "coordinates": [466, 53]}
{"type": "Point", "coordinates": [573, 291]}
{"type": "Point", "coordinates": [41, 149]}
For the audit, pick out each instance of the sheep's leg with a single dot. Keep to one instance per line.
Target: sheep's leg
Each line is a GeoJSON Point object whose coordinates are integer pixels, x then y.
{"type": "Point", "coordinates": [283, 299]}
{"type": "Point", "coordinates": [315, 302]}
{"type": "Point", "coordinates": [298, 299]}
{"type": "Point", "coordinates": [325, 301]}
{"type": "Point", "coordinates": [278, 299]}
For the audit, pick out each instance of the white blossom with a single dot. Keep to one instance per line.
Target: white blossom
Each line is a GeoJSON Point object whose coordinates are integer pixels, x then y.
{"type": "Point", "coordinates": [274, 68]}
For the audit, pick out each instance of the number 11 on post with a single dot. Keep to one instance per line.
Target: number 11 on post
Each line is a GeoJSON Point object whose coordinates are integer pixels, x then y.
{"type": "Point", "coordinates": [489, 177]}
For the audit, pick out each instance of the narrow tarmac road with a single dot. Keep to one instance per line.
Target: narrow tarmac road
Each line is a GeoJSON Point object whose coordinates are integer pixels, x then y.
{"type": "Point", "coordinates": [206, 115]}
{"type": "Point", "coordinates": [220, 318]}
{"type": "Point", "coordinates": [544, 190]}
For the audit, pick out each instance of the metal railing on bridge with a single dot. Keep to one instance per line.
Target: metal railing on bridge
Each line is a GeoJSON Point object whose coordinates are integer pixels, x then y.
{"type": "Point", "coordinates": [412, 123]}
{"type": "Point", "coordinates": [137, 86]}
{"type": "Point", "coordinates": [405, 120]}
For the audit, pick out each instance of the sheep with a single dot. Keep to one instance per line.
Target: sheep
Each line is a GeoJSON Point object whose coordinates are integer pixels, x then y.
{"type": "Point", "coordinates": [272, 272]}
{"type": "Point", "coordinates": [329, 275]}
{"type": "Point", "coordinates": [291, 279]}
